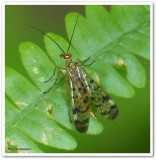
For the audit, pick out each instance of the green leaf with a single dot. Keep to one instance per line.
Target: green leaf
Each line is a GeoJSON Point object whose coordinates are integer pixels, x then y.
{"type": "Point", "coordinates": [133, 21]}
{"type": "Point", "coordinates": [26, 120]}
{"type": "Point", "coordinates": [34, 60]}
{"type": "Point", "coordinates": [17, 139]}
{"type": "Point", "coordinates": [112, 39]}
{"type": "Point", "coordinates": [106, 37]}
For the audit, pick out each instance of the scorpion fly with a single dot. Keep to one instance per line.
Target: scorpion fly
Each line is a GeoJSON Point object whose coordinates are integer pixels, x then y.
{"type": "Point", "coordinates": [83, 90]}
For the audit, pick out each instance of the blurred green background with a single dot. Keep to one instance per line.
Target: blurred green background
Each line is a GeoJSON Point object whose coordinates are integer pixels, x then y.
{"type": "Point", "coordinates": [131, 132]}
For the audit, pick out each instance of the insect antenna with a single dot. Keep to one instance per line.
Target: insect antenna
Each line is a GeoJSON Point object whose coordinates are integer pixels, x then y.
{"type": "Point", "coordinates": [72, 33]}
{"type": "Point", "coordinates": [47, 36]}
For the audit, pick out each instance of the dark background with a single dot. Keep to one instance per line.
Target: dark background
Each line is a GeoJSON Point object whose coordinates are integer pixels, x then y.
{"type": "Point", "coordinates": [131, 132]}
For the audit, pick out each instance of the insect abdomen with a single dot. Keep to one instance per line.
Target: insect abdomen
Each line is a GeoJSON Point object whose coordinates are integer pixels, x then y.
{"type": "Point", "coordinates": [81, 121]}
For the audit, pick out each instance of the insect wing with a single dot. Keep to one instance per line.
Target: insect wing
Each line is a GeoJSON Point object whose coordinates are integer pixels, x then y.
{"type": "Point", "coordinates": [79, 99]}
{"type": "Point", "coordinates": [104, 104]}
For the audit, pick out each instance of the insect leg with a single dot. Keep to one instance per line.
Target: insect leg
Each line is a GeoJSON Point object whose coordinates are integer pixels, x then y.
{"type": "Point", "coordinates": [84, 61]}
{"type": "Point", "coordinates": [91, 113]}
{"type": "Point", "coordinates": [89, 63]}
{"type": "Point", "coordinates": [51, 76]}
{"type": "Point", "coordinates": [52, 85]}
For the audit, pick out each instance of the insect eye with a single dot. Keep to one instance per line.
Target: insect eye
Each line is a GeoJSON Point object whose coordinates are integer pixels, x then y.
{"type": "Point", "coordinates": [62, 55]}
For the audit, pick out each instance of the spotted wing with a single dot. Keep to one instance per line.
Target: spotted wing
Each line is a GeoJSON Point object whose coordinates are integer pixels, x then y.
{"type": "Point", "coordinates": [79, 99]}
{"type": "Point", "coordinates": [104, 104]}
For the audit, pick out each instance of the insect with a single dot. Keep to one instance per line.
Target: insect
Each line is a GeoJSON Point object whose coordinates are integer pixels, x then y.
{"type": "Point", "coordinates": [83, 90]}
